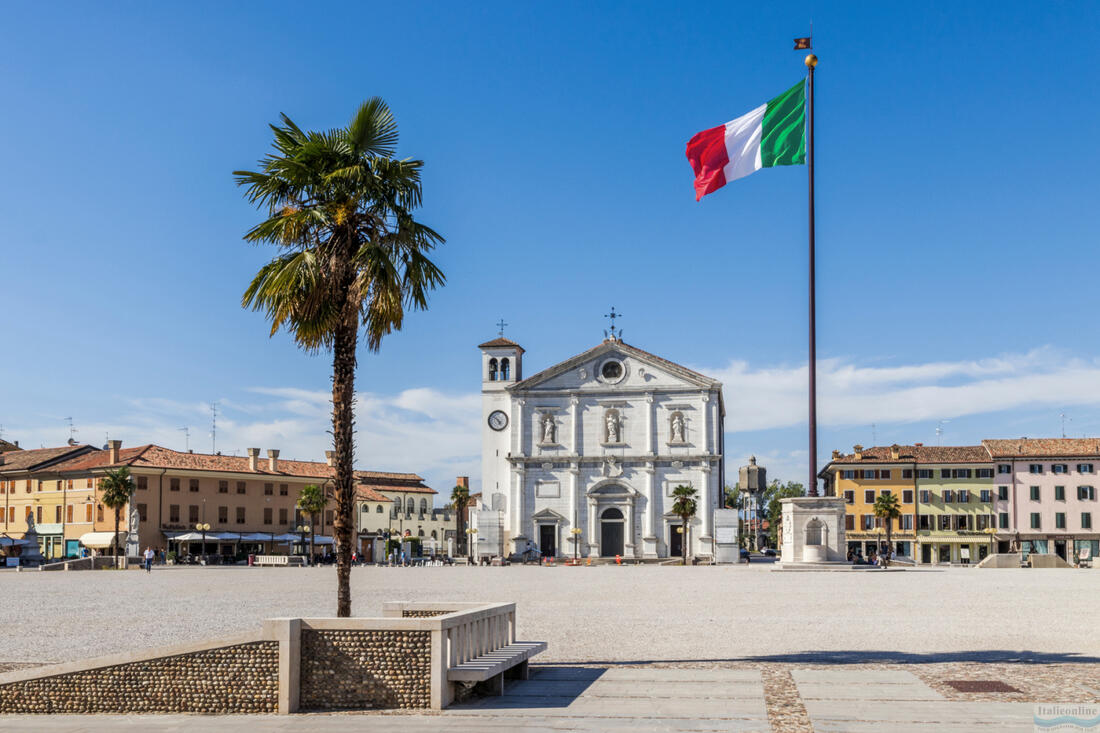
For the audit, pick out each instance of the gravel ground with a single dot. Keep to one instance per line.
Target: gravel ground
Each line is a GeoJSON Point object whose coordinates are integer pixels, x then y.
{"type": "Point", "coordinates": [592, 614]}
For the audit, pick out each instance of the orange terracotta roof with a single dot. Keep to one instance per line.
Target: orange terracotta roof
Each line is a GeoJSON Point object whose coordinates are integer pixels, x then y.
{"type": "Point", "coordinates": [154, 456]}
{"type": "Point", "coordinates": [500, 341]}
{"type": "Point", "coordinates": [366, 493]}
{"type": "Point", "coordinates": [22, 460]}
{"type": "Point", "coordinates": [920, 454]}
{"type": "Point", "coordinates": [1043, 447]}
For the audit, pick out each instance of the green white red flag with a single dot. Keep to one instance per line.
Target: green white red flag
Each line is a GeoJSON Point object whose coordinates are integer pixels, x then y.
{"type": "Point", "coordinates": [772, 134]}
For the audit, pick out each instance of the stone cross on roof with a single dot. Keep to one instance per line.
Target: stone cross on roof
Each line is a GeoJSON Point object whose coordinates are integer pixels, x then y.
{"type": "Point", "coordinates": [612, 316]}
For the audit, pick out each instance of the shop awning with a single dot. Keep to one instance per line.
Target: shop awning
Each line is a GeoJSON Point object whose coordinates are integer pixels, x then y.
{"type": "Point", "coordinates": [6, 541]}
{"type": "Point", "coordinates": [256, 537]}
{"type": "Point", "coordinates": [956, 540]}
{"type": "Point", "coordinates": [101, 540]}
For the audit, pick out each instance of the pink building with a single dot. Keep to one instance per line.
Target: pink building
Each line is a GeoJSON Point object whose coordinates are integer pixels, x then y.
{"type": "Point", "coordinates": [1046, 494]}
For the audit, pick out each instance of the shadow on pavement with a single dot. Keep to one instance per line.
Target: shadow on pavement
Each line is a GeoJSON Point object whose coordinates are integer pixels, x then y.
{"type": "Point", "coordinates": [551, 686]}
{"type": "Point", "coordinates": [1022, 656]}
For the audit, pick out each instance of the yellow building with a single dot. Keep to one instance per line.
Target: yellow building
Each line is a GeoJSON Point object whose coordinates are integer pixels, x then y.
{"type": "Point", "coordinates": [861, 478]}
{"type": "Point", "coordinates": [945, 493]}
{"type": "Point", "coordinates": [34, 494]}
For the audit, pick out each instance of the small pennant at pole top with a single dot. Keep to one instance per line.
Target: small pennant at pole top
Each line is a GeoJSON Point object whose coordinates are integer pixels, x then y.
{"type": "Point", "coordinates": [802, 44]}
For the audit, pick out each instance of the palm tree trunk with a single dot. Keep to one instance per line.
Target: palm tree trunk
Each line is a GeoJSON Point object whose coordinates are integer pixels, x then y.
{"type": "Point", "coordinates": [460, 522]}
{"type": "Point", "coordinates": [889, 542]}
{"type": "Point", "coordinates": [116, 538]}
{"type": "Point", "coordinates": [343, 422]}
{"type": "Point", "coordinates": [684, 540]}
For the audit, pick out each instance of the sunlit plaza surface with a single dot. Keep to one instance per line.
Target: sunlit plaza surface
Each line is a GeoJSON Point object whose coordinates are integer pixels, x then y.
{"type": "Point", "coordinates": [589, 614]}
{"type": "Point", "coordinates": [734, 648]}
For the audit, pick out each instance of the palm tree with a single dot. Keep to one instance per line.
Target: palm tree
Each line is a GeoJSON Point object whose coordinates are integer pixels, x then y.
{"type": "Point", "coordinates": [887, 509]}
{"type": "Point", "coordinates": [312, 501]}
{"type": "Point", "coordinates": [340, 210]}
{"type": "Point", "coordinates": [460, 499]}
{"type": "Point", "coordinates": [117, 488]}
{"type": "Point", "coordinates": [684, 507]}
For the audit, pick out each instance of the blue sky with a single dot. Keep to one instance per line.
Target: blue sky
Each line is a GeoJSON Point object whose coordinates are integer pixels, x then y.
{"type": "Point", "coordinates": [956, 215]}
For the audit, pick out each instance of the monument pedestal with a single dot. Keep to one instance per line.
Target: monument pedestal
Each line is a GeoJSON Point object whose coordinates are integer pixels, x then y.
{"type": "Point", "coordinates": [813, 531]}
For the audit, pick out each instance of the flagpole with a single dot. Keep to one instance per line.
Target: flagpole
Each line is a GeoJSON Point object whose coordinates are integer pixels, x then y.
{"type": "Point", "coordinates": [811, 62]}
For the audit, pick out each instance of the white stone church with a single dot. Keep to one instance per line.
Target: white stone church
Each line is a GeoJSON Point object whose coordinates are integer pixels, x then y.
{"type": "Point", "coordinates": [598, 442]}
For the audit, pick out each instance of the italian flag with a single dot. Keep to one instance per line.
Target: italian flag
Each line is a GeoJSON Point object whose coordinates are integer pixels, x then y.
{"type": "Point", "coordinates": [772, 134]}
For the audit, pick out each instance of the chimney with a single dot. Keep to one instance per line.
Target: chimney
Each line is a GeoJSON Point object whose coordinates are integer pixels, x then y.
{"type": "Point", "coordinates": [836, 454]}
{"type": "Point", "coordinates": [858, 450]}
{"type": "Point", "coordinates": [330, 458]}
{"type": "Point", "coordinates": [253, 459]}
{"type": "Point", "coordinates": [895, 451]}
{"type": "Point", "coordinates": [918, 445]}
{"type": "Point", "coordinates": [463, 481]}
{"type": "Point", "coordinates": [113, 447]}
{"type": "Point", "coordinates": [273, 460]}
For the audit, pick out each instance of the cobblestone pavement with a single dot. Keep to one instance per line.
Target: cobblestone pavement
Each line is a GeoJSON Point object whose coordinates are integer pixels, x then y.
{"type": "Point", "coordinates": [784, 698]}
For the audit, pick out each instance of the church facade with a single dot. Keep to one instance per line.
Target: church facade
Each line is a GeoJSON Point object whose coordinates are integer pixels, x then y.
{"type": "Point", "coordinates": [599, 442]}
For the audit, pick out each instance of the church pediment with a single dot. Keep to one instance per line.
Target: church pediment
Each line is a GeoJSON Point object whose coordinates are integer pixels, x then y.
{"type": "Point", "coordinates": [611, 488]}
{"type": "Point", "coordinates": [615, 364]}
{"type": "Point", "coordinates": [547, 515]}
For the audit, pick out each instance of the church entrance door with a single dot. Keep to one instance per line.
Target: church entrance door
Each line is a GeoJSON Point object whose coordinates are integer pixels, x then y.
{"type": "Point", "coordinates": [675, 542]}
{"type": "Point", "coordinates": [611, 532]}
{"type": "Point", "coordinates": [548, 540]}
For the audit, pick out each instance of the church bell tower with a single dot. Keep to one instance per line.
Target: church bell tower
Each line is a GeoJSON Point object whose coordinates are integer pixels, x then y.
{"type": "Point", "coordinates": [501, 367]}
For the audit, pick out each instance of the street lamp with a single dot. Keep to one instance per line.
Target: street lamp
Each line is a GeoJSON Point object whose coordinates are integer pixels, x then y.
{"type": "Point", "coordinates": [204, 528]}
{"type": "Point", "coordinates": [576, 532]}
{"type": "Point", "coordinates": [303, 530]}
{"type": "Point", "coordinates": [471, 541]}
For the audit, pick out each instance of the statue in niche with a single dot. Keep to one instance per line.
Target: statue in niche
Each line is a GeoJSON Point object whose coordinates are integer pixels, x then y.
{"type": "Point", "coordinates": [677, 428]}
{"type": "Point", "coordinates": [548, 429]}
{"type": "Point", "coordinates": [612, 427]}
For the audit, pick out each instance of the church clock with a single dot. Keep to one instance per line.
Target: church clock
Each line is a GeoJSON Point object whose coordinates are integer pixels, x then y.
{"type": "Point", "coordinates": [498, 420]}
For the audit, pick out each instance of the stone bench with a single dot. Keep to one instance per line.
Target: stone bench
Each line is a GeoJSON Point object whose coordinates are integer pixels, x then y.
{"type": "Point", "coordinates": [278, 560]}
{"type": "Point", "coordinates": [496, 665]}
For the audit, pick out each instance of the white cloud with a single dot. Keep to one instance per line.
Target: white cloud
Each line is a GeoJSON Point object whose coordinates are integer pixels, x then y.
{"type": "Point", "coordinates": [850, 394]}
{"type": "Point", "coordinates": [437, 434]}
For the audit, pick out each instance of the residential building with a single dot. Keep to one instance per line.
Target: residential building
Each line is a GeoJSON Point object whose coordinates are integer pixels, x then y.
{"type": "Point", "coordinates": [33, 494]}
{"type": "Point", "coordinates": [398, 505]}
{"type": "Point", "coordinates": [862, 477]}
{"type": "Point", "coordinates": [1046, 492]}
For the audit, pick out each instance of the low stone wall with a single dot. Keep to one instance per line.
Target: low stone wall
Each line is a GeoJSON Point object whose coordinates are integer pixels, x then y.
{"type": "Point", "coordinates": [350, 669]}
{"type": "Point", "coordinates": [234, 679]}
{"type": "Point", "coordinates": [400, 661]}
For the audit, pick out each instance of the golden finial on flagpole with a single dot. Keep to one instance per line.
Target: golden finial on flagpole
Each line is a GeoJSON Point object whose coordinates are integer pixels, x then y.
{"type": "Point", "coordinates": [811, 61]}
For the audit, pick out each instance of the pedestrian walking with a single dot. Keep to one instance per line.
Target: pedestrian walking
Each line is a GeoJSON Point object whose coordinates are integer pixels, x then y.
{"type": "Point", "coordinates": [149, 554]}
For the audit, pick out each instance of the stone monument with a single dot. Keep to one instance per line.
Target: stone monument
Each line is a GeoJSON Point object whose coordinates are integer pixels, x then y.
{"type": "Point", "coordinates": [813, 530]}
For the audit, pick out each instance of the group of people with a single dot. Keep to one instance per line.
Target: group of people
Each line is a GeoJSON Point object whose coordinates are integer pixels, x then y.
{"type": "Point", "coordinates": [874, 557]}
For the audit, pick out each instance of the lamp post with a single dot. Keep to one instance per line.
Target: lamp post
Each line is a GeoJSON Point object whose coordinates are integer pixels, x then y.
{"type": "Point", "coordinates": [576, 532]}
{"type": "Point", "coordinates": [204, 528]}
{"type": "Point", "coordinates": [303, 530]}
{"type": "Point", "coordinates": [471, 542]}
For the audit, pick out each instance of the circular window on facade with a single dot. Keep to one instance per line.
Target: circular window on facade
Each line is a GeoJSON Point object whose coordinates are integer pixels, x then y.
{"type": "Point", "coordinates": [612, 371]}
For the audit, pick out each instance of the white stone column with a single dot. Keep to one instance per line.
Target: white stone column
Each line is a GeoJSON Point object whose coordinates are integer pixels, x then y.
{"type": "Point", "coordinates": [574, 425]}
{"type": "Point", "coordinates": [574, 504]}
{"type": "Point", "coordinates": [628, 529]}
{"type": "Point", "coordinates": [593, 544]}
{"type": "Point", "coordinates": [651, 422]}
{"type": "Point", "coordinates": [519, 523]}
{"type": "Point", "coordinates": [706, 505]}
{"type": "Point", "coordinates": [704, 418]}
{"type": "Point", "coordinates": [649, 519]}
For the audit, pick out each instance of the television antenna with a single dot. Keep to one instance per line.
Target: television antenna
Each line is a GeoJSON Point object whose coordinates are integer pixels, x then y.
{"type": "Point", "coordinates": [939, 431]}
{"type": "Point", "coordinates": [214, 428]}
{"type": "Point", "coordinates": [186, 437]}
{"type": "Point", "coordinates": [72, 431]}
{"type": "Point", "coordinates": [1064, 418]}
